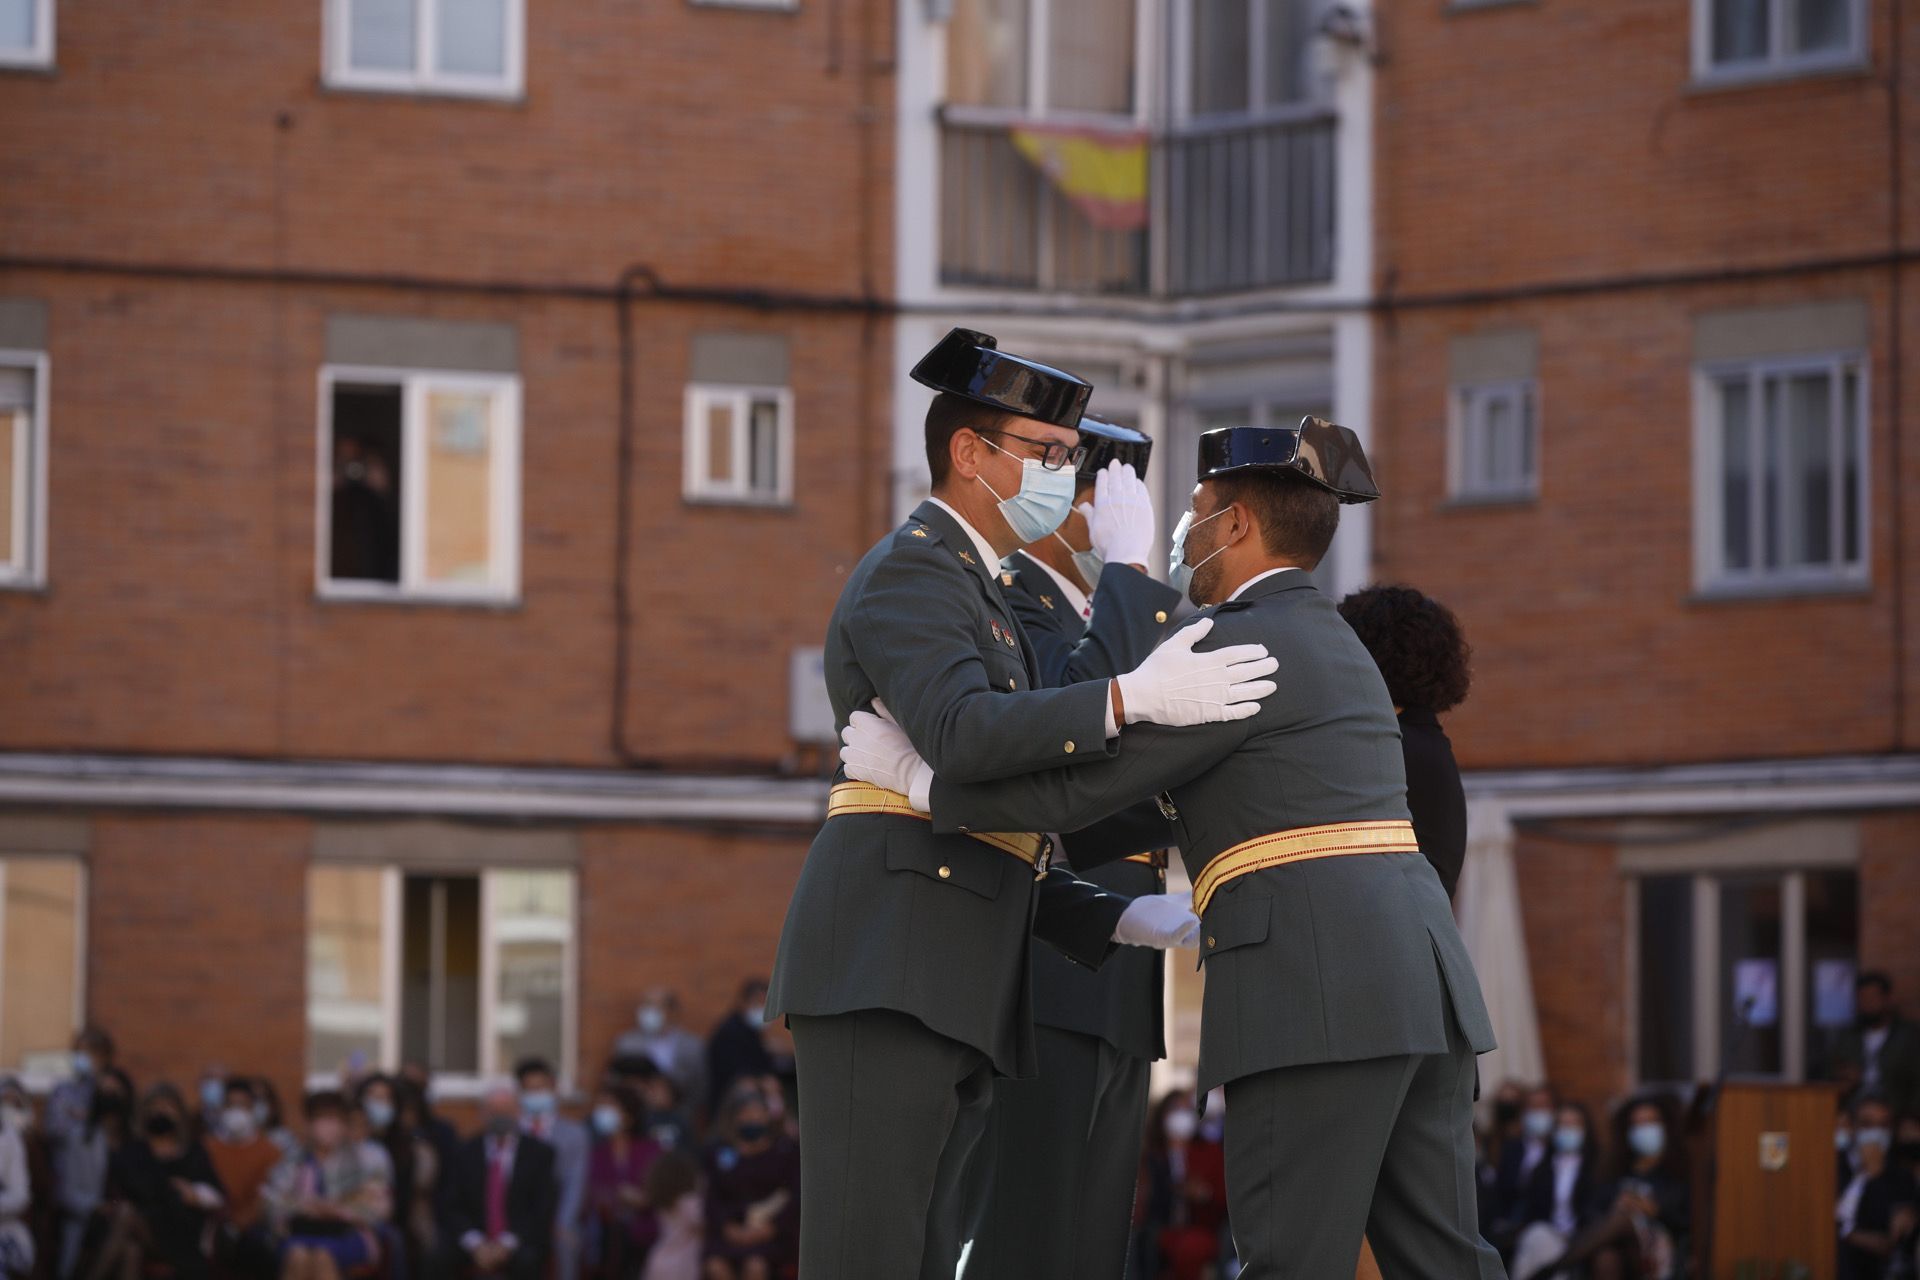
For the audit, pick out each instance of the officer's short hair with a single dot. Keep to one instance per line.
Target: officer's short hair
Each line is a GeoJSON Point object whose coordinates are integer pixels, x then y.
{"type": "Point", "coordinates": [1297, 518]}
{"type": "Point", "coordinates": [948, 415]}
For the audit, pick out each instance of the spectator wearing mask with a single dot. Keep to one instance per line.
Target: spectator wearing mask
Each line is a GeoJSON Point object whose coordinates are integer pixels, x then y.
{"type": "Point", "coordinates": [1186, 1192]}
{"type": "Point", "coordinates": [540, 1116]}
{"type": "Point", "coordinates": [1423, 656]}
{"type": "Point", "coordinates": [267, 1110]}
{"type": "Point", "coordinates": [244, 1158]}
{"type": "Point", "coordinates": [667, 1118]}
{"type": "Point", "coordinates": [68, 1123]}
{"type": "Point", "coordinates": [676, 1051]}
{"type": "Point", "coordinates": [673, 1188]}
{"type": "Point", "coordinates": [210, 1097]}
{"type": "Point", "coordinates": [622, 1157]}
{"type": "Point", "coordinates": [753, 1194]}
{"type": "Point", "coordinates": [1645, 1207]}
{"type": "Point", "coordinates": [1519, 1159]}
{"type": "Point", "coordinates": [389, 1127]}
{"type": "Point", "coordinates": [84, 1155]}
{"type": "Point", "coordinates": [1880, 1053]}
{"type": "Point", "coordinates": [1874, 1213]}
{"type": "Point", "coordinates": [1560, 1196]}
{"type": "Point", "coordinates": [164, 1194]}
{"type": "Point", "coordinates": [501, 1194]}
{"type": "Point", "coordinates": [17, 1251]}
{"type": "Point", "coordinates": [328, 1198]}
{"type": "Point", "coordinates": [443, 1136]}
{"type": "Point", "coordinates": [737, 1049]}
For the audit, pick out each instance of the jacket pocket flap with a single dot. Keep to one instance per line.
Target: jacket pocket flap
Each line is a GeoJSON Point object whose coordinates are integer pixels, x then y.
{"type": "Point", "coordinates": [955, 860]}
{"type": "Point", "coordinates": [1235, 922]}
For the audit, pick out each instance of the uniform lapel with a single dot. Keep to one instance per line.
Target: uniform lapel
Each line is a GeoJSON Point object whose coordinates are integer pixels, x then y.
{"type": "Point", "coordinates": [957, 540]}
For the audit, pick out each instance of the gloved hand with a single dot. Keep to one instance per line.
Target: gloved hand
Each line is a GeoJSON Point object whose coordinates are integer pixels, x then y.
{"type": "Point", "coordinates": [1159, 920]}
{"type": "Point", "coordinates": [873, 748]}
{"type": "Point", "coordinates": [1120, 517]}
{"type": "Point", "coordinates": [1177, 686]}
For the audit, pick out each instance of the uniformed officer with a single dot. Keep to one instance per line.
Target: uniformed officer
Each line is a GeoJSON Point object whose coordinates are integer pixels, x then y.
{"type": "Point", "coordinates": [1341, 1012]}
{"type": "Point", "coordinates": [1064, 1147]}
{"type": "Point", "coordinates": [903, 966]}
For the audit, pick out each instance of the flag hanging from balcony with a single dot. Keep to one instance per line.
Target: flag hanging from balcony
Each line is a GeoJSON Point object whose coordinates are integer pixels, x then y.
{"type": "Point", "coordinates": [1104, 172]}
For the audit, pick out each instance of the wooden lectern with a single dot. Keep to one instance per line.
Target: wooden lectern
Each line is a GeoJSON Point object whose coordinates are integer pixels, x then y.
{"type": "Point", "coordinates": [1773, 1183]}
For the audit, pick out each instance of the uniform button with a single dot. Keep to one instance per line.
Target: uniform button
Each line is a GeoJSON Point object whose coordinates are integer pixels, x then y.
{"type": "Point", "coordinates": [1210, 941]}
{"type": "Point", "coordinates": [965, 831]}
{"type": "Point", "coordinates": [1160, 616]}
{"type": "Point", "coordinates": [1069, 747]}
{"type": "Point", "coordinates": [946, 873]}
{"type": "Point", "coordinates": [1009, 682]}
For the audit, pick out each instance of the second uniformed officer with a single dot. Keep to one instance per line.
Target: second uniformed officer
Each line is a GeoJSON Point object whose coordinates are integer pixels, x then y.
{"type": "Point", "coordinates": [1064, 1147]}
{"type": "Point", "coordinates": [902, 966]}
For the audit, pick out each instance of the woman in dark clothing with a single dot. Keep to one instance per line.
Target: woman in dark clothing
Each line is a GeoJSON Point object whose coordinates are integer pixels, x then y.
{"type": "Point", "coordinates": [753, 1194]}
{"type": "Point", "coordinates": [165, 1193]}
{"type": "Point", "coordinates": [1645, 1209]}
{"type": "Point", "coordinates": [1423, 656]}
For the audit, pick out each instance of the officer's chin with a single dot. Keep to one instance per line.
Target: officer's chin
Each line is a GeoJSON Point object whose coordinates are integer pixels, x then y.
{"type": "Point", "coordinates": [1200, 591]}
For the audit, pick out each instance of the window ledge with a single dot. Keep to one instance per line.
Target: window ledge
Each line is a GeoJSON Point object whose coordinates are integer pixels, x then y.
{"type": "Point", "coordinates": [25, 586]}
{"type": "Point", "coordinates": [337, 595]}
{"type": "Point", "coordinates": [28, 66]}
{"type": "Point", "coordinates": [1486, 501]}
{"type": "Point", "coordinates": [1762, 592]}
{"type": "Point", "coordinates": [1469, 6]}
{"type": "Point", "coordinates": [738, 500]}
{"type": "Point", "coordinates": [751, 6]}
{"type": "Point", "coordinates": [503, 97]}
{"type": "Point", "coordinates": [1730, 79]}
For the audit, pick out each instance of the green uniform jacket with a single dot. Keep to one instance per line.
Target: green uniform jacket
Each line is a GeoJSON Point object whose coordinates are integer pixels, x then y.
{"type": "Point", "coordinates": [1332, 960]}
{"type": "Point", "coordinates": [889, 914]}
{"type": "Point", "coordinates": [1120, 1003]}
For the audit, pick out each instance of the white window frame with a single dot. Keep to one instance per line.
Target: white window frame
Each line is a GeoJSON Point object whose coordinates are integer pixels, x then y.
{"type": "Point", "coordinates": [425, 78]}
{"type": "Point", "coordinates": [697, 485]}
{"type": "Point", "coordinates": [1711, 576]}
{"type": "Point", "coordinates": [30, 479]}
{"type": "Point", "coordinates": [1258, 109]}
{"type": "Point", "coordinates": [503, 586]}
{"type": "Point", "coordinates": [470, 1084]}
{"type": "Point", "coordinates": [1781, 62]}
{"type": "Point", "coordinates": [41, 1083]}
{"type": "Point", "coordinates": [40, 52]}
{"type": "Point", "coordinates": [1706, 875]}
{"type": "Point", "coordinates": [1039, 98]}
{"type": "Point", "coordinates": [1467, 420]}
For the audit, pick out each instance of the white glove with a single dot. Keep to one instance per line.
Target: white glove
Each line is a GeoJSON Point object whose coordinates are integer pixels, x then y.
{"type": "Point", "coordinates": [875, 749]}
{"type": "Point", "coordinates": [1177, 686]}
{"type": "Point", "coordinates": [1120, 517]}
{"type": "Point", "coordinates": [1159, 920]}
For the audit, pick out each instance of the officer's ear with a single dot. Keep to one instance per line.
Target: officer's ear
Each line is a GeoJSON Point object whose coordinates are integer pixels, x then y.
{"type": "Point", "coordinates": [967, 452]}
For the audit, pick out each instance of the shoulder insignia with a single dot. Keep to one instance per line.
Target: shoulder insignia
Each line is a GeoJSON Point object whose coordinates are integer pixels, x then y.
{"type": "Point", "coordinates": [918, 532]}
{"type": "Point", "coordinates": [1046, 602]}
{"type": "Point", "coordinates": [968, 557]}
{"type": "Point", "coordinates": [1006, 579]}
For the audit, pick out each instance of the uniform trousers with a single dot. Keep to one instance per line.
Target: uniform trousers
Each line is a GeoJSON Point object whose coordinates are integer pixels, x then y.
{"type": "Point", "coordinates": [1323, 1154]}
{"type": "Point", "coordinates": [891, 1118]}
{"type": "Point", "coordinates": [1063, 1158]}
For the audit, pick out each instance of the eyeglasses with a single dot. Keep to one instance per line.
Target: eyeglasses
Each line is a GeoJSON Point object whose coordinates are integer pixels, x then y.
{"type": "Point", "coordinates": [1053, 456]}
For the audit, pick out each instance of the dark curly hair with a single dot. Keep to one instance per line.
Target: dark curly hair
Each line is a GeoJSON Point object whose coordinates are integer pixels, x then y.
{"type": "Point", "coordinates": [1416, 642]}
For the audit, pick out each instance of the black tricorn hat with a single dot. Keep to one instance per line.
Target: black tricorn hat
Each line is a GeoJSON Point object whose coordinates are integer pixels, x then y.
{"type": "Point", "coordinates": [1110, 442]}
{"type": "Point", "coordinates": [1317, 450]}
{"type": "Point", "coordinates": [970, 364]}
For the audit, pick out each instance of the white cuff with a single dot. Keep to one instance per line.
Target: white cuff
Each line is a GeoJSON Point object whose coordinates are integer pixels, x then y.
{"type": "Point", "coordinates": [920, 789]}
{"type": "Point", "coordinates": [1113, 729]}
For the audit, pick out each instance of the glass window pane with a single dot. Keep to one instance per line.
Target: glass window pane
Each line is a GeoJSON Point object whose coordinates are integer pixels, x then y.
{"type": "Point", "coordinates": [1288, 52]}
{"type": "Point", "coordinates": [365, 519]}
{"type": "Point", "coordinates": [40, 970]}
{"type": "Point", "coordinates": [532, 921]}
{"type": "Point", "coordinates": [459, 485]}
{"type": "Point", "coordinates": [1528, 429]}
{"type": "Point", "coordinates": [17, 24]}
{"type": "Point", "coordinates": [720, 443]}
{"type": "Point", "coordinates": [472, 37]}
{"type": "Point", "coordinates": [440, 972]}
{"type": "Point", "coordinates": [1809, 406]}
{"type": "Point", "coordinates": [1498, 437]}
{"type": "Point", "coordinates": [1220, 66]}
{"type": "Point", "coordinates": [1750, 987]}
{"type": "Point", "coordinates": [13, 480]}
{"type": "Point", "coordinates": [345, 961]}
{"type": "Point", "coordinates": [1771, 514]}
{"type": "Point", "coordinates": [1736, 474]}
{"type": "Point", "coordinates": [1666, 978]}
{"type": "Point", "coordinates": [763, 430]}
{"type": "Point", "coordinates": [1833, 946]}
{"type": "Point", "coordinates": [1742, 30]}
{"type": "Point", "coordinates": [987, 53]}
{"type": "Point", "coordinates": [1090, 63]}
{"type": "Point", "coordinates": [1851, 427]}
{"type": "Point", "coordinates": [1824, 26]}
{"type": "Point", "coordinates": [380, 35]}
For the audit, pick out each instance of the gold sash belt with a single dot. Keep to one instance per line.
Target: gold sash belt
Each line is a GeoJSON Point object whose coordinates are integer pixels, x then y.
{"type": "Point", "coordinates": [1303, 844]}
{"type": "Point", "coordinates": [863, 797]}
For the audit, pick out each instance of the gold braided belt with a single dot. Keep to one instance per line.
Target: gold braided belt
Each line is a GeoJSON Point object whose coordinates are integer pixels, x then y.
{"type": "Point", "coordinates": [1157, 859]}
{"type": "Point", "coordinates": [863, 797]}
{"type": "Point", "coordinates": [1302, 844]}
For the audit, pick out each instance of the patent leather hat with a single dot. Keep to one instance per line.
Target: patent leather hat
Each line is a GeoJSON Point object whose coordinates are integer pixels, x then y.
{"type": "Point", "coordinates": [970, 364]}
{"type": "Point", "coordinates": [1110, 442]}
{"type": "Point", "coordinates": [1317, 451]}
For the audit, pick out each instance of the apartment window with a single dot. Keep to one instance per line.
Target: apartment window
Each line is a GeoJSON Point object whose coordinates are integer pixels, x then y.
{"type": "Point", "coordinates": [739, 443]}
{"type": "Point", "coordinates": [1246, 57]}
{"type": "Point", "coordinates": [1766, 37]}
{"type": "Point", "coordinates": [1041, 57]}
{"type": "Point", "coordinates": [1784, 497]}
{"type": "Point", "coordinates": [26, 33]}
{"type": "Point", "coordinates": [467, 972]}
{"type": "Point", "coordinates": [1495, 441]}
{"type": "Point", "coordinates": [420, 484]}
{"type": "Point", "coordinates": [23, 467]}
{"type": "Point", "coordinates": [41, 958]}
{"type": "Point", "coordinates": [1744, 972]}
{"type": "Point", "coordinates": [429, 46]}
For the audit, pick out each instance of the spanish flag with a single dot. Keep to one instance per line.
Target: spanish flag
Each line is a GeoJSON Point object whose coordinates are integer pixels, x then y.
{"type": "Point", "coordinates": [1104, 172]}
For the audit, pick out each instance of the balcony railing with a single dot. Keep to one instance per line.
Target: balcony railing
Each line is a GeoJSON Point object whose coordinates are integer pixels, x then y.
{"type": "Point", "coordinates": [1227, 208]}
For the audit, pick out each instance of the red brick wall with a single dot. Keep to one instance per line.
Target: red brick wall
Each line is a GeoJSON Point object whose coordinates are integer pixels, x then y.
{"type": "Point", "coordinates": [1573, 908]}
{"type": "Point", "coordinates": [1890, 901]}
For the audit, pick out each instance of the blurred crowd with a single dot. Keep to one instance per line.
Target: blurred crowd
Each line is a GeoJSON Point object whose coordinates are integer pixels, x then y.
{"type": "Point", "coordinates": [682, 1166]}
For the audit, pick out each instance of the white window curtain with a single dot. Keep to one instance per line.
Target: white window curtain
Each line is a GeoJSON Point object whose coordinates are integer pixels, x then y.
{"type": "Point", "coordinates": [1487, 906]}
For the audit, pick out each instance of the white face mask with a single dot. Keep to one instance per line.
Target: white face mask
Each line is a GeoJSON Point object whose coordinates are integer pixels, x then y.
{"type": "Point", "coordinates": [1179, 572]}
{"type": "Point", "coordinates": [652, 1020]}
{"type": "Point", "coordinates": [1044, 500]}
{"type": "Point", "coordinates": [238, 1125]}
{"type": "Point", "coordinates": [1181, 1122]}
